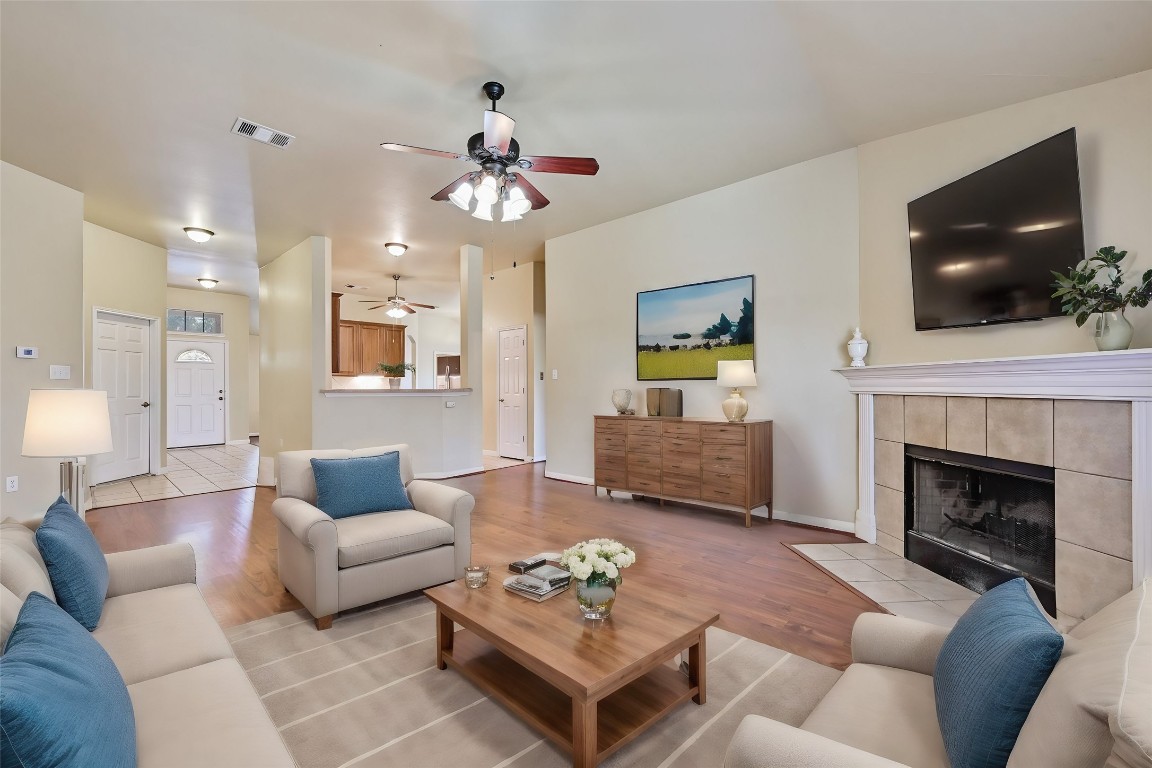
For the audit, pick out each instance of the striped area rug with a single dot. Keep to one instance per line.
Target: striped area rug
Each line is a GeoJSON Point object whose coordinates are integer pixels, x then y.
{"type": "Point", "coordinates": [367, 693]}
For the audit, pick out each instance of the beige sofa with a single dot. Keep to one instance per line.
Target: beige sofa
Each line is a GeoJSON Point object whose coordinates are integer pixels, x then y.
{"type": "Point", "coordinates": [334, 565]}
{"type": "Point", "coordinates": [193, 704]}
{"type": "Point", "coordinates": [1094, 711]}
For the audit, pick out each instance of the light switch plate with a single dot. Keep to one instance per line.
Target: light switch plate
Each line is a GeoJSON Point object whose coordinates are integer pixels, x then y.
{"type": "Point", "coordinates": [59, 371]}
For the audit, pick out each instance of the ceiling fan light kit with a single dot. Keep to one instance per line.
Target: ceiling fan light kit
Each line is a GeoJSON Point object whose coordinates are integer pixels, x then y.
{"type": "Point", "coordinates": [396, 249]}
{"type": "Point", "coordinates": [397, 305]}
{"type": "Point", "coordinates": [495, 151]}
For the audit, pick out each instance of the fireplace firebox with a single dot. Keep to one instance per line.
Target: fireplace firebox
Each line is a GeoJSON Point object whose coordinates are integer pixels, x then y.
{"type": "Point", "coordinates": [981, 521]}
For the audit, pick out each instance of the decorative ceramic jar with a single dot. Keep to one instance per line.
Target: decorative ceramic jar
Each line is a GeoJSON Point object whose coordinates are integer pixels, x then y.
{"type": "Point", "coordinates": [596, 595]}
{"type": "Point", "coordinates": [1113, 331]}
{"type": "Point", "coordinates": [621, 399]}
{"type": "Point", "coordinates": [858, 348]}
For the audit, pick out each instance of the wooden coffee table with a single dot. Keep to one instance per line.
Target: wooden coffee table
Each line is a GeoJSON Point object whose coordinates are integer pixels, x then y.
{"type": "Point", "coordinates": [589, 686]}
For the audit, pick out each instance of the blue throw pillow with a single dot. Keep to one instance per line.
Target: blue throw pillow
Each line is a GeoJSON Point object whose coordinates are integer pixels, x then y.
{"type": "Point", "coordinates": [76, 566]}
{"type": "Point", "coordinates": [357, 486]}
{"type": "Point", "coordinates": [989, 672]}
{"type": "Point", "coordinates": [62, 701]}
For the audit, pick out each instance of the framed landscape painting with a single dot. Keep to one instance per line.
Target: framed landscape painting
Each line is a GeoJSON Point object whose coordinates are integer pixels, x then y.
{"type": "Point", "coordinates": [682, 332]}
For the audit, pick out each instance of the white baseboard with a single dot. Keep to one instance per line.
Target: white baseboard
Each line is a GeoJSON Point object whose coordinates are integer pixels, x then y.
{"type": "Point", "coordinates": [568, 478]}
{"type": "Point", "coordinates": [238, 442]}
{"type": "Point", "coordinates": [537, 459]}
{"type": "Point", "coordinates": [446, 475]}
{"type": "Point", "coordinates": [847, 526]}
{"type": "Point", "coordinates": [492, 453]}
{"type": "Point", "coordinates": [253, 434]}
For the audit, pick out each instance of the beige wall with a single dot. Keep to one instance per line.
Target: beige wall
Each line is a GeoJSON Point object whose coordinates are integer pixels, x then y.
{"type": "Point", "coordinates": [1113, 122]}
{"type": "Point", "coordinates": [41, 305]}
{"type": "Point", "coordinates": [294, 303]}
{"type": "Point", "coordinates": [509, 301]}
{"type": "Point", "coordinates": [796, 230]}
{"type": "Point", "coordinates": [127, 275]}
{"type": "Point", "coordinates": [235, 310]}
{"type": "Point", "coordinates": [253, 384]}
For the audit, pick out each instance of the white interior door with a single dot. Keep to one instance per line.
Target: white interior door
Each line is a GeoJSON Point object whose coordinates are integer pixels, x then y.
{"type": "Point", "coordinates": [512, 412]}
{"type": "Point", "coordinates": [195, 392]}
{"type": "Point", "coordinates": [120, 366]}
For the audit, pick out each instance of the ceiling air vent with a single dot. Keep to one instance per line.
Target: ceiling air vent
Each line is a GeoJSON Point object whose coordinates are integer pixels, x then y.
{"type": "Point", "coordinates": [262, 133]}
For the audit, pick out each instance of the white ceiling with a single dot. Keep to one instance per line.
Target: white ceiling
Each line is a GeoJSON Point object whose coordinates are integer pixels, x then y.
{"type": "Point", "coordinates": [131, 103]}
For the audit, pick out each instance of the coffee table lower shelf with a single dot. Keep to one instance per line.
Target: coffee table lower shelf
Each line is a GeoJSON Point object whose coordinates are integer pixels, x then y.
{"type": "Point", "coordinates": [620, 716]}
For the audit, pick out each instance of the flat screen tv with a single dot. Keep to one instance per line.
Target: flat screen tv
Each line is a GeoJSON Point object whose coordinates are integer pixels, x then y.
{"type": "Point", "coordinates": [985, 246]}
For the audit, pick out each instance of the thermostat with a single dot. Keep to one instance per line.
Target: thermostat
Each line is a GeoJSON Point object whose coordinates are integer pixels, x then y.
{"type": "Point", "coordinates": [27, 352]}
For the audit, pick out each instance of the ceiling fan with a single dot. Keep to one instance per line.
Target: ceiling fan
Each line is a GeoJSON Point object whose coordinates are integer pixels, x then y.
{"type": "Point", "coordinates": [397, 305]}
{"type": "Point", "coordinates": [499, 178]}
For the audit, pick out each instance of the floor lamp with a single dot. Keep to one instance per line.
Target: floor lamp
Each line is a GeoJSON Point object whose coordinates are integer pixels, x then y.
{"type": "Point", "coordinates": [68, 424]}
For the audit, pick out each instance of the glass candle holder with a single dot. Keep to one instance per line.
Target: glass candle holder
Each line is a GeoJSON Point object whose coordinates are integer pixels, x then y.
{"type": "Point", "coordinates": [476, 576]}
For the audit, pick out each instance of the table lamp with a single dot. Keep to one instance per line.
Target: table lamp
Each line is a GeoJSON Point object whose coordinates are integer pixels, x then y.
{"type": "Point", "coordinates": [735, 374]}
{"type": "Point", "coordinates": [68, 424]}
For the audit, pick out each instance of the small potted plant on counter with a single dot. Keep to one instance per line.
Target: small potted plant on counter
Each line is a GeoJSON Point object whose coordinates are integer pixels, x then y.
{"type": "Point", "coordinates": [1095, 287]}
{"type": "Point", "coordinates": [396, 372]}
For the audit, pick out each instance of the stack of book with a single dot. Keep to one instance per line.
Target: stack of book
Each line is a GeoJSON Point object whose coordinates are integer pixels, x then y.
{"type": "Point", "coordinates": [538, 583]}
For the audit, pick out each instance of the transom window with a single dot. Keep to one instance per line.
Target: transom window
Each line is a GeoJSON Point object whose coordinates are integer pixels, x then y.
{"type": "Point", "coordinates": [193, 356]}
{"type": "Point", "coordinates": [195, 321]}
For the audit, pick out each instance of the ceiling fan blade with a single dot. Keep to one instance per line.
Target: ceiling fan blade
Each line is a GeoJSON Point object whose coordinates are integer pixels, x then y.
{"type": "Point", "coordinates": [378, 306]}
{"type": "Point", "coordinates": [497, 130]}
{"type": "Point", "coordinates": [538, 200]}
{"type": "Point", "coordinates": [407, 309]}
{"type": "Point", "coordinates": [422, 151]}
{"type": "Point", "coordinates": [580, 166]}
{"type": "Point", "coordinates": [443, 194]}
{"type": "Point", "coordinates": [425, 306]}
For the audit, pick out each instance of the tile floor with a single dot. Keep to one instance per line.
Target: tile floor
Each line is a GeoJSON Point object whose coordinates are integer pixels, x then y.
{"type": "Point", "coordinates": [190, 471]}
{"type": "Point", "coordinates": [901, 586]}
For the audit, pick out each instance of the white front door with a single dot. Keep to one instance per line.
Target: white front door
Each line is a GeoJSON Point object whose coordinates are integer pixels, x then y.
{"type": "Point", "coordinates": [512, 413]}
{"type": "Point", "coordinates": [120, 367]}
{"type": "Point", "coordinates": [195, 392]}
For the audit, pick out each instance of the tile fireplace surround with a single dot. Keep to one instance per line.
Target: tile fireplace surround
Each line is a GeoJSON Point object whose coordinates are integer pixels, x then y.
{"type": "Point", "coordinates": [1088, 415]}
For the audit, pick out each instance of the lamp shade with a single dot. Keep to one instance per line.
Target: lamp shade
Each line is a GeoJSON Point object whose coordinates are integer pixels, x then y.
{"type": "Point", "coordinates": [735, 374]}
{"type": "Point", "coordinates": [67, 422]}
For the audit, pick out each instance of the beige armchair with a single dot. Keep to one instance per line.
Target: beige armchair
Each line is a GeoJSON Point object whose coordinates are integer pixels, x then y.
{"type": "Point", "coordinates": [1095, 709]}
{"type": "Point", "coordinates": [334, 565]}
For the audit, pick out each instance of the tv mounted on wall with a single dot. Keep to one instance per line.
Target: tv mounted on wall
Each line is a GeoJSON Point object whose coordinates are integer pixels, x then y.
{"type": "Point", "coordinates": [984, 247]}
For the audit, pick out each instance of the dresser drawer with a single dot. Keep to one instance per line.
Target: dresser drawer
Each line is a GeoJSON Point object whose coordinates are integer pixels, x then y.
{"type": "Point", "coordinates": [681, 429]}
{"type": "Point", "coordinates": [724, 490]}
{"type": "Point", "coordinates": [649, 428]}
{"type": "Point", "coordinates": [644, 462]}
{"type": "Point", "coordinates": [610, 441]}
{"type": "Point", "coordinates": [723, 433]}
{"type": "Point", "coordinates": [644, 444]}
{"type": "Point", "coordinates": [611, 425]}
{"type": "Point", "coordinates": [611, 478]}
{"type": "Point", "coordinates": [678, 485]}
{"type": "Point", "coordinates": [682, 465]}
{"type": "Point", "coordinates": [610, 460]}
{"type": "Point", "coordinates": [643, 484]}
{"type": "Point", "coordinates": [722, 456]}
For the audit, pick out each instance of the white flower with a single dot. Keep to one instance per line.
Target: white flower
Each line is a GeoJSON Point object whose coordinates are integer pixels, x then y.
{"type": "Point", "coordinates": [581, 569]}
{"type": "Point", "coordinates": [597, 556]}
{"type": "Point", "coordinates": [610, 570]}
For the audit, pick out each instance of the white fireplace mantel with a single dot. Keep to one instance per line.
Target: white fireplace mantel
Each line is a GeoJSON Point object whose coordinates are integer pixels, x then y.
{"type": "Point", "coordinates": [1123, 375]}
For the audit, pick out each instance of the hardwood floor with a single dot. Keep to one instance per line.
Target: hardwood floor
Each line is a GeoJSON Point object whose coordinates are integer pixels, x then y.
{"type": "Point", "coordinates": [761, 588]}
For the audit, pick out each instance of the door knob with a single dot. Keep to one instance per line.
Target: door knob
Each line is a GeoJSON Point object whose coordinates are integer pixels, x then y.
{"type": "Point", "coordinates": [145, 404]}
{"type": "Point", "coordinates": [501, 399]}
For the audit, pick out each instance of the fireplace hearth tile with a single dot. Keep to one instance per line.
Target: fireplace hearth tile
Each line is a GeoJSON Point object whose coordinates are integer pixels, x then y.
{"type": "Point", "coordinates": [957, 607]}
{"type": "Point", "coordinates": [1094, 437]}
{"type": "Point", "coordinates": [968, 425]}
{"type": "Point", "coordinates": [822, 552]}
{"type": "Point", "coordinates": [888, 415]}
{"type": "Point", "coordinates": [926, 421]}
{"type": "Point", "coordinates": [1020, 430]}
{"type": "Point", "coordinates": [1095, 512]}
{"type": "Point", "coordinates": [886, 591]}
{"type": "Point", "coordinates": [855, 570]}
{"type": "Point", "coordinates": [940, 588]}
{"type": "Point", "coordinates": [1087, 580]}
{"type": "Point", "coordinates": [923, 611]}
{"type": "Point", "coordinates": [890, 543]}
{"type": "Point", "coordinates": [902, 570]}
{"type": "Point", "coordinates": [890, 512]}
{"type": "Point", "coordinates": [890, 464]}
{"type": "Point", "coordinates": [866, 551]}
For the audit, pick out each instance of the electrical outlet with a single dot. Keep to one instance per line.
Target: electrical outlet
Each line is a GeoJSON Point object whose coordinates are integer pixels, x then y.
{"type": "Point", "coordinates": [450, 404]}
{"type": "Point", "coordinates": [12, 484]}
{"type": "Point", "coordinates": [555, 374]}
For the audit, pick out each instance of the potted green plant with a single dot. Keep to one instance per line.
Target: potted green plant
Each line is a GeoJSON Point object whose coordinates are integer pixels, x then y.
{"type": "Point", "coordinates": [395, 371]}
{"type": "Point", "coordinates": [1095, 286]}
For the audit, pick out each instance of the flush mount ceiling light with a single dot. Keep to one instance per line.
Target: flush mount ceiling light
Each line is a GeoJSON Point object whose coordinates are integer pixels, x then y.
{"type": "Point", "coordinates": [199, 234]}
{"type": "Point", "coordinates": [396, 249]}
{"type": "Point", "coordinates": [207, 282]}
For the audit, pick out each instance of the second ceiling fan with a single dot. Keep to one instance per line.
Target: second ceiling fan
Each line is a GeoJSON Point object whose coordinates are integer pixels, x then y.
{"type": "Point", "coordinates": [397, 305]}
{"type": "Point", "coordinates": [499, 179]}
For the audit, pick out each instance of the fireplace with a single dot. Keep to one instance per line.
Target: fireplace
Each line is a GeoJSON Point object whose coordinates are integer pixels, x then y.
{"type": "Point", "coordinates": [981, 521]}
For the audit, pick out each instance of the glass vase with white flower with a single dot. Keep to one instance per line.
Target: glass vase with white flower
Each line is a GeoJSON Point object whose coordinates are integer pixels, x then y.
{"type": "Point", "coordinates": [595, 565]}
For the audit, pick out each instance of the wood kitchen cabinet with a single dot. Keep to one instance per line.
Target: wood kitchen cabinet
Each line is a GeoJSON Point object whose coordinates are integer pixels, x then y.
{"type": "Point", "coordinates": [361, 346]}
{"type": "Point", "coordinates": [712, 463]}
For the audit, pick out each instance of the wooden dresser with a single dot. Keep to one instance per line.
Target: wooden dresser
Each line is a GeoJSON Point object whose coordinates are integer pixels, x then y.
{"type": "Point", "coordinates": [698, 461]}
